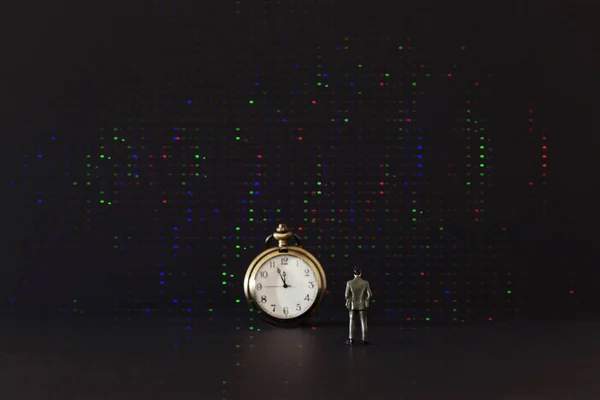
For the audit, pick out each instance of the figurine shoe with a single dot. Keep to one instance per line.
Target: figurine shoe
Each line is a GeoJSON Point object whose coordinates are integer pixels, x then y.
{"type": "Point", "coordinates": [349, 342]}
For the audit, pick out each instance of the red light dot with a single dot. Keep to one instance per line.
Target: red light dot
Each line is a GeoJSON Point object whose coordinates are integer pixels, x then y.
{"type": "Point", "coordinates": [450, 75]}
{"type": "Point", "coordinates": [489, 319]}
{"type": "Point", "coordinates": [544, 147]}
{"type": "Point", "coordinates": [286, 382]}
{"type": "Point", "coordinates": [164, 202]}
{"type": "Point", "coordinates": [544, 138]}
{"type": "Point", "coordinates": [381, 84]}
{"type": "Point", "coordinates": [259, 156]}
{"type": "Point", "coordinates": [314, 328]}
{"type": "Point", "coordinates": [422, 273]}
{"type": "Point", "coordinates": [530, 183]}
{"type": "Point", "coordinates": [477, 210]}
{"type": "Point", "coordinates": [422, 65]}
{"type": "Point", "coordinates": [571, 292]}
{"type": "Point", "coordinates": [164, 156]}
{"type": "Point", "coordinates": [314, 102]}
{"type": "Point", "coordinates": [382, 192]}
{"type": "Point", "coordinates": [476, 83]}
{"type": "Point", "coordinates": [299, 137]}
{"type": "Point", "coordinates": [381, 183]}
{"type": "Point", "coordinates": [544, 156]}
{"type": "Point", "coordinates": [544, 165]}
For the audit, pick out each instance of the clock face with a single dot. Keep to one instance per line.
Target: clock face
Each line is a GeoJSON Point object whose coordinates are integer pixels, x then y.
{"type": "Point", "coordinates": [286, 286]}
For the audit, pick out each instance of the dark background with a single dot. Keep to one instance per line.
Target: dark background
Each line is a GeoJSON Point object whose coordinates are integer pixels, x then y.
{"type": "Point", "coordinates": [78, 75]}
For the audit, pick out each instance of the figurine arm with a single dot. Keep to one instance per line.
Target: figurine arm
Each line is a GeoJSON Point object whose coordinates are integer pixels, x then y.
{"type": "Point", "coordinates": [369, 293]}
{"type": "Point", "coordinates": [348, 292]}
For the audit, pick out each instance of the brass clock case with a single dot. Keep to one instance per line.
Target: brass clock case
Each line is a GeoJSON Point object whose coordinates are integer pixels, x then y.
{"type": "Point", "coordinates": [250, 283]}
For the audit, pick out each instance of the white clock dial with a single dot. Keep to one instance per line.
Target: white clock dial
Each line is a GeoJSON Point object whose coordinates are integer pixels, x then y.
{"type": "Point", "coordinates": [285, 286]}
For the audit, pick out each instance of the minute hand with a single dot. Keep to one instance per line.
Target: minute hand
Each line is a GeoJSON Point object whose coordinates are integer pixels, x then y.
{"type": "Point", "coordinates": [282, 278]}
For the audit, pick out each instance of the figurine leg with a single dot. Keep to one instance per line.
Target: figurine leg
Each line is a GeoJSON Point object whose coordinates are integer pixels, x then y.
{"type": "Point", "coordinates": [351, 326]}
{"type": "Point", "coordinates": [363, 325]}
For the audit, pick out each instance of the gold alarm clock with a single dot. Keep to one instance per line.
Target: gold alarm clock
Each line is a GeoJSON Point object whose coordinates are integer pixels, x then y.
{"type": "Point", "coordinates": [285, 283]}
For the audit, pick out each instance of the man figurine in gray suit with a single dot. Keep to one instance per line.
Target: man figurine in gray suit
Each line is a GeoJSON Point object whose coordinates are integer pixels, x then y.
{"type": "Point", "coordinates": [358, 294]}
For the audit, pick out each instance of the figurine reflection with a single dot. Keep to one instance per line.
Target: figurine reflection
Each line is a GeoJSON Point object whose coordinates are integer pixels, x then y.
{"type": "Point", "coordinates": [358, 294]}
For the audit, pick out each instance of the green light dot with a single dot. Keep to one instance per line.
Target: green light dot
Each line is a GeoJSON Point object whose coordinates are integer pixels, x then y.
{"type": "Point", "coordinates": [468, 183]}
{"type": "Point", "coordinates": [238, 129]}
{"type": "Point", "coordinates": [359, 65]}
{"type": "Point", "coordinates": [481, 156]}
{"type": "Point", "coordinates": [224, 273]}
{"type": "Point", "coordinates": [101, 201]}
{"type": "Point", "coordinates": [251, 101]}
{"type": "Point", "coordinates": [210, 310]}
{"type": "Point", "coordinates": [414, 83]}
{"type": "Point", "coordinates": [237, 138]}
{"type": "Point", "coordinates": [482, 165]}
{"type": "Point", "coordinates": [74, 300]}
{"type": "Point", "coordinates": [237, 228]}
{"type": "Point", "coordinates": [509, 291]}
{"type": "Point", "coordinates": [441, 228]}
{"type": "Point", "coordinates": [224, 283]}
{"type": "Point", "coordinates": [237, 300]}
{"type": "Point", "coordinates": [481, 138]}
{"type": "Point", "coordinates": [482, 147]}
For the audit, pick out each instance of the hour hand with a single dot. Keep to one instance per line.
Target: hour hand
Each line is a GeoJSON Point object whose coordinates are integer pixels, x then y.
{"type": "Point", "coordinates": [282, 277]}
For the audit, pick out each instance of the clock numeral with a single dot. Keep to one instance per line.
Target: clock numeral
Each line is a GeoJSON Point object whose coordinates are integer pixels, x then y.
{"type": "Point", "coordinates": [307, 272]}
{"type": "Point", "coordinates": [264, 274]}
{"type": "Point", "coordinates": [298, 307]}
{"type": "Point", "coordinates": [263, 299]}
{"type": "Point", "coordinates": [273, 305]}
{"type": "Point", "coordinates": [284, 261]}
{"type": "Point", "coordinates": [286, 310]}
{"type": "Point", "coordinates": [258, 286]}
{"type": "Point", "coordinates": [307, 298]}
{"type": "Point", "coordinates": [311, 285]}
{"type": "Point", "coordinates": [271, 264]}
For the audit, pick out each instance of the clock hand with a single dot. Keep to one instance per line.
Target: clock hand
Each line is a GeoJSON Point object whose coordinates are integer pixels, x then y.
{"type": "Point", "coordinates": [286, 286]}
{"type": "Point", "coordinates": [282, 278]}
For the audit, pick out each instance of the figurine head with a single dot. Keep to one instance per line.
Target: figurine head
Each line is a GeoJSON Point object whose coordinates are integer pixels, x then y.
{"type": "Point", "coordinates": [357, 271]}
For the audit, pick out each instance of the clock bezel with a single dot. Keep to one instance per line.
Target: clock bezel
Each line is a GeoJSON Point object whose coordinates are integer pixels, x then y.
{"type": "Point", "coordinates": [250, 284]}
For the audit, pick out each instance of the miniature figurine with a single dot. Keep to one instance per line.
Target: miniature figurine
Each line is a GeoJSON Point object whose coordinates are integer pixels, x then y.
{"type": "Point", "coordinates": [358, 294]}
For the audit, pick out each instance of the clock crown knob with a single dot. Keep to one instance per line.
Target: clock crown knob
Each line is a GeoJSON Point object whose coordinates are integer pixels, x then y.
{"type": "Point", "coordinates": [282, 234]}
